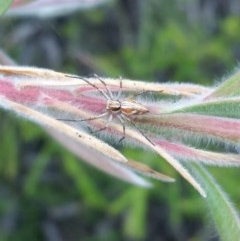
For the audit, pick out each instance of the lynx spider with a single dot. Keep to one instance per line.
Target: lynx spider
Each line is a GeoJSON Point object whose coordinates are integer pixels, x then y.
{"type": "Point", "coordinates": [116, 107]}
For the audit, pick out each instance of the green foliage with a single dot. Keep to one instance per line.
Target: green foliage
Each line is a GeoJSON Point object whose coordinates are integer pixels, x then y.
{"type": "Point", "coordinates": [4, 5]}
{"type": "Point", "coordinates": [134, 200]}
{"type": "Point", "coordinates": [224, 108]}
{"type": "Point", "coordinates": [83, 181]}
{"type": "Point", "coordinates": [222, 211]}
{"type": "Point", "coordinates": [229, 88]}
{"type": "Point", "coordinates": [198, 55]}
{"type": "Point", "coordinates": [9, 167]}
{"type": "Point", "coordinates": [173, 51]}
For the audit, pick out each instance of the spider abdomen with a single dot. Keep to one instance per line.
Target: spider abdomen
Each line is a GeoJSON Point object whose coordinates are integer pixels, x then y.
{"type": "Point", "coordinates": [131, 107]}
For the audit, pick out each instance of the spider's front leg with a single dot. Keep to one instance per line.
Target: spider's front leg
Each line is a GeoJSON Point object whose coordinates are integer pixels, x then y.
{"type": "Point", "coordinates": [87, 119]}
{"type": "Point", "coordinates": [122, 120]}
{"type": "Point", "coordinates": [106, 125]}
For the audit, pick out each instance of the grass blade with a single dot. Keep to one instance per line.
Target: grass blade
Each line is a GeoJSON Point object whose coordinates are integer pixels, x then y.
{"type": "Point", "coordinates": [222, 210]}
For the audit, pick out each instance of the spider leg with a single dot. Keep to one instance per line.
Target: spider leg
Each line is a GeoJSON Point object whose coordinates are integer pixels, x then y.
{"type": "Point", "coordinates": [87, 119]}
{"type": "Point", "coordinates": [106, 125]}
{"type": "Point", "coordinates": [122, 120]}
{"type": "Point", "coordinates": [94, 86]}
{"type": "Point", "coordinates": [133, 96]}
{"type": "Point", "coordinates": [120, 90]}
{"type": "Point", "coordinates": [135, 126]}
{"type": "Point", "coordinates": [106, 87]}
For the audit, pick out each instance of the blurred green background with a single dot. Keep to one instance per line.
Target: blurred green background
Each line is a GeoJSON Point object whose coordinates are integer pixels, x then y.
{"type": "Point", "coordinates": [48, 194]}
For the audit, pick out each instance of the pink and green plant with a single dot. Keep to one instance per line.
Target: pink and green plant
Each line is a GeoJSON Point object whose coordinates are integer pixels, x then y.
{"type": "Point", "coordinates": [187, 125]}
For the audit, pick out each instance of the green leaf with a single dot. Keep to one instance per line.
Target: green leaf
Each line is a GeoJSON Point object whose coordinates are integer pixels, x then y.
{"type": "Point", "coordinates": [9, 159]}
{"type": "Point", "coordinates": [225, 108]}
{"type": "Point", "coordinates": [134, 200]}
{"type": "Point", "coordinates": [135, 225]}
{"type": "Point", "coordinates": [222, 211]}
{"type": "Point", "coordinates": [84, 183]}
{"type": "Point", "coordinates": [34, 175]}
{"type": "Point", "coordinates": [229, 88]}
{"type": "Point", "coordinates": [4, 5]}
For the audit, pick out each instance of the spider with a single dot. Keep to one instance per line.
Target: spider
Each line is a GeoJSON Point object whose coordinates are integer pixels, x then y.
{"type": "Point", "coordinates": [116, 107]}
